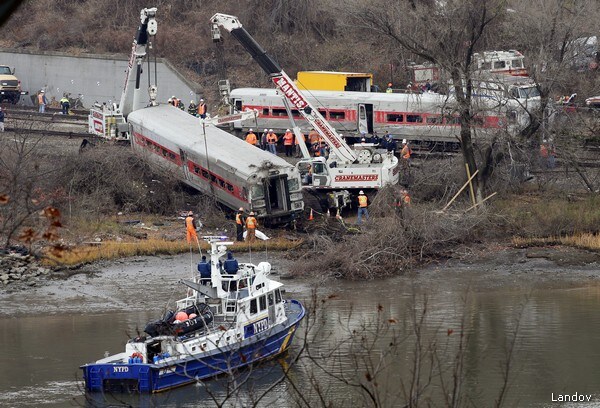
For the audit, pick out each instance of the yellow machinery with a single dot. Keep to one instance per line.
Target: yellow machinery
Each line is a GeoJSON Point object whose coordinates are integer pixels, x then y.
{"type": "Point", "coordinates": [334, 81]}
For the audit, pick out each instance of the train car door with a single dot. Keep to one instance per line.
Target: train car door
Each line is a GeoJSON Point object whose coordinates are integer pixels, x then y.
{"type": "Point", "coordinates": [277, 194]}
{"type": "Point", "coordinates": [365, 118]}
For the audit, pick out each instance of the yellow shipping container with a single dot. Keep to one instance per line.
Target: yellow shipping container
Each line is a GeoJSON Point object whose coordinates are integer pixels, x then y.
{"type": "Point", "coordinates": [334, 81]}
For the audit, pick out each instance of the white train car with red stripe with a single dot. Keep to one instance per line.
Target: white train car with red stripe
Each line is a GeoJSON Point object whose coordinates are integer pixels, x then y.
{"type": "Point", "coordinates": [423, 118]}
{"type": "Point", "coordinates": [217, 163]}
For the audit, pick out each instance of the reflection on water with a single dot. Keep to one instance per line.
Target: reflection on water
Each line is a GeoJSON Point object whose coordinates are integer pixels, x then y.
{"type": "Point", "coordinates": [556, 350]}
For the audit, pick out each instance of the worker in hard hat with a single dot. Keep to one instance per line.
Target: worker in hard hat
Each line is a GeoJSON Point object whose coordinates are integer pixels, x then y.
{"type": "Point", "coordinates": [239, 224]}
{"type": "Point", "coordinates": [272, 141]}
{"type": "Point", "coordinates": [263, 139]}
{"type": "Point", "coordinates": [288, 143]}
{"type": "Point", "coordinates": [251, 225]}
{"type": "Point", "coordinates": [362, 207]}
{"type": "Point", "coordinates": [251, 138]}
{"type": "Point", "coordinates": [405, 153]}
{"type": "Point", "coordinates": [190, 228]}
{"type": "Point", "coordinates": [192, 108]}
{"type": "Point", "coordinates": [202, 109]}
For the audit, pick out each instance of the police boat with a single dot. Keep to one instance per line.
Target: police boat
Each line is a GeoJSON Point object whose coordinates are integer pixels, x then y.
{"type": "Point", "coordinates": [232, 318]}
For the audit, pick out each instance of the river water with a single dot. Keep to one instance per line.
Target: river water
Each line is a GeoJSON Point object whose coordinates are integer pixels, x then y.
{"type": "Point", "coordinates": [47, 333]}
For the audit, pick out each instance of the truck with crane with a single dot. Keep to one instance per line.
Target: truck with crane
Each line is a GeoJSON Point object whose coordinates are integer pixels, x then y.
{"type": "Point", "coordinates": [338, 178]}
{"type": "Point", "coordinates": [229, 170]}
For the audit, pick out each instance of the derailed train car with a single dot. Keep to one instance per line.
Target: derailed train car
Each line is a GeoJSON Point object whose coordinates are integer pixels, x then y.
{"type": "Point", "coordinates": [217, 163]}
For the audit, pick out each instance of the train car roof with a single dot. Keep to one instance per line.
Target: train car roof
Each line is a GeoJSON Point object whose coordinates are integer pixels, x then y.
{"type": "Point", "coordinates": [186, 131]}
{"type": "Point", "coordinates": [349, 96]}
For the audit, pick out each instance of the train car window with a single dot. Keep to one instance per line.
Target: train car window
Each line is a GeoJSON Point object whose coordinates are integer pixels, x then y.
{"type": "Point", "coordinates": [244, 193]}
{"type": "Point", "coordinates": [229, 187]}
{"type": "Point", "coordinates": [238, 104]}
{"type": "Point", "coordinates": [486, 65]}
{"type": "Point", "coordinates": [293, 184]}
{"type": "Point", "coordinates": [499, 64]}
{"type": "Point", "coordinates": [414, 118]}
{"type": "Point", "coordinates": [279, 112]}
{"type": "Point", "coordinates": [434, 120]}
{"type": "Point", "coordinates": [172, 156]}
{"type": "Point", "coordinates": [337, 115]}
{"type": "Point", "coordinates": [477, 121]}
{"type": "Point", "coordinates": [258, 191]}
{"type": "Point", "coordinates": [205, 174]}
{"type": "Point", "coordinates": [323, 112]}
{"type": "Point", "coordinates": [196, 169]}
{"type": "Point", "coordinates": [213, 179]}
{"type": "Point", "coordinates": [517, 63]}
{"type": "Point", "coordinates": [394, 117]}
{"type": "Point", "coordinates": [222, 183]}
{"type": "Point", "coordinates": [295, 113]}
{"type": "Point", "coordinates": [265, 111]}
{"type": "Point", "coordinates": [148, 142]}
{"type": "Point", "coordinates": [511, 116]}
{"type": "Point", "coordinates": [164, 153]}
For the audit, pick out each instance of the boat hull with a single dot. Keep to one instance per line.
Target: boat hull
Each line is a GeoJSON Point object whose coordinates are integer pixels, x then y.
{"type": "Point", "coordinates": [148, 378]}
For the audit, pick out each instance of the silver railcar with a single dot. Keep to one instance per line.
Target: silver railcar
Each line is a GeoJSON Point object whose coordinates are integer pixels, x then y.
{"type": "Point", "coordinates": [420, 117]}
{"type": "Point", "coordinates": [217, 163]}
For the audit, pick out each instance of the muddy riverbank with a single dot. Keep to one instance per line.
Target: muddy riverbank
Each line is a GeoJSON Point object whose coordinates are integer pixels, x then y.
{"type": "Point", "coordinates": [144, 283]}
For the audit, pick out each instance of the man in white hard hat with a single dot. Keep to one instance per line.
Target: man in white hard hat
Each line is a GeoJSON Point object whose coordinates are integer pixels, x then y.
{"type": "Point", "coordinates": [362, 207]}
{"type": "Point", "coordinates": [42, 102]}
{"type": "Point", "coordinates": [192, 108]}
{"type": "Point", "coordinates": [239, 224]}
{"type": "Point", "coordinates": [272, 140]}
{"type": "Point", "coordinates": [288, 143]}
{"type": "Point", "coordinates": [251, 225]}
{"type": "Point", "coordinates": [202, 109]}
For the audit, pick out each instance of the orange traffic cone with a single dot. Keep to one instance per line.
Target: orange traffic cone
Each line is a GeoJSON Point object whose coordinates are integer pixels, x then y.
{"type": "Point", "coordinates": [310, 216]}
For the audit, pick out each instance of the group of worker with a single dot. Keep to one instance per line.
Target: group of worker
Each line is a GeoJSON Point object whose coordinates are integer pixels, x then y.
{"type": "Point", "coordinates": [250, 223]}
{"type": "Point", "coordinates": [269, 139]}
{"type": "Point", "coordinates": [198, 110]}
{"type": "Point", "coordinates": [402, 202]}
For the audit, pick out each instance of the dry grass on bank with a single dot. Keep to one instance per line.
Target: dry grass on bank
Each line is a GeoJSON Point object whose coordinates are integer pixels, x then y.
{"type": "Point", "coordinates": [113, 250]}
{"type": "Point", "coordinates": [583, 241]}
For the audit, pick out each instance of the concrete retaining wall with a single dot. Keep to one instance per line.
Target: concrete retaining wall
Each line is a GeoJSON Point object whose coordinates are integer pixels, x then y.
{"type": "Point", "coordinates": [96, 77]}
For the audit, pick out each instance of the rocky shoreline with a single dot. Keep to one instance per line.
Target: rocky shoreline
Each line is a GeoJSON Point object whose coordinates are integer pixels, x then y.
{"type": "Point", "coordinates": [18, 271]}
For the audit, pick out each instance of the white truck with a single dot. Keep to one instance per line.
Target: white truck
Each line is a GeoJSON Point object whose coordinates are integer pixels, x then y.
{"type": "Point", "coordinates": [337, 178]}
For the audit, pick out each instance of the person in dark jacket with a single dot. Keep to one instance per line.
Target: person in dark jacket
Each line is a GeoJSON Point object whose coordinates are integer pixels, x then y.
{"type": "Point", "coordinates": [239, 224]}
{"type": "Point", "coordinates": [230, 266]}
{"type": "Point", "coordinates": [204, 269]}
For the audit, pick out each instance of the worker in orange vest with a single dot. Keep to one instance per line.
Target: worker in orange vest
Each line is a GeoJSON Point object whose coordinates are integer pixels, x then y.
{"type": "Point", "coordinates": [405, 153]}
{"type": "Point", "coordinates": [202, 109]}
{"type": "Point", "coordinates": [190, 227]}
{"type": "Point", "coordinates": [42, 102]}
{"type": "Point", "coordinates": [251, 138]}
{"type": "Point", "coordinates": [251, 225]}
{"type": "Point", "coordinates": [272, 141]}
{"type": "Point", "coordinates": [288, 143]}
{"type": "Point", "coordinates": [239, 224]}
{"type": "Point", "coordinates": [362, 207]}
